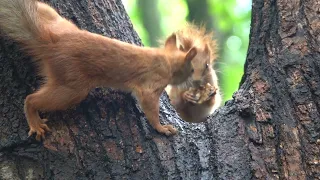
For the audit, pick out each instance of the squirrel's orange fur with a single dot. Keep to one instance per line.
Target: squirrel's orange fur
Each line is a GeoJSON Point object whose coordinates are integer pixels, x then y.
{"type": "Point", "coordinates": [183, 96]}
{"type": "Point", "coordinates": [74, 61]}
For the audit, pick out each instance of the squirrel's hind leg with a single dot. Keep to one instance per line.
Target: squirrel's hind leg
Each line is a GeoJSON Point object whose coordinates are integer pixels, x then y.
{"type": "Point", "coordinates": [49, 98]}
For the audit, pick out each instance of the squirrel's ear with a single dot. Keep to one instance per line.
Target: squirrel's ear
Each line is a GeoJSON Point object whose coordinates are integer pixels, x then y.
{"type": "Point", "coordinates": [181, 48]}
{"type": "Point", "coordinates": [191, 54]}
{"type": "Point", "coordinates": [206, 50]}
{"type": "Point", "coordinates": [171, 42]}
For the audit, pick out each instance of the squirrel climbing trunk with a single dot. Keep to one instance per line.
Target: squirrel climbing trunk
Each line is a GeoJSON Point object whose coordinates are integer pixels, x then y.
{"type": "Point", "coordinates": [74, 61]}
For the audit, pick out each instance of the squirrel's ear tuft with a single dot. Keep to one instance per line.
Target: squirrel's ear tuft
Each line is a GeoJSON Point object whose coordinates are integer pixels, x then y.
{"type": "Point", "coordinates": [171, 42]}
{"type": "Point", "coordinates": [207, 49]}
{"type": "Point", "coordinates": [181, 48]}
{"type": "Point", "coordinates": [191, 54]}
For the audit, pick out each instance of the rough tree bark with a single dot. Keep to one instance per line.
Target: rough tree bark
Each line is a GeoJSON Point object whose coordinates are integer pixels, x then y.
{"type": "Point", "coordinates": [270, 129]}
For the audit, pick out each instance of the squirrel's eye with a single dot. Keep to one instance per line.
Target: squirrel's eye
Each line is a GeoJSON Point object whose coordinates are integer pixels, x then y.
{"type": "Point", "coordinates": [192, 70]}
{"type": "Point", "coordinates": [207, 65]}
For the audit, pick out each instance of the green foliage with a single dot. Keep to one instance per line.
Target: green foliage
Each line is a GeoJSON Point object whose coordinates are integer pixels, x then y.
{"type": "Point", "coordinates": [231, 23]}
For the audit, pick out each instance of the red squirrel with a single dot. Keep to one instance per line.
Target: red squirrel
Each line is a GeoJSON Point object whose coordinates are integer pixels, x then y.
{"type": "Point", "coordinates": [199, 95]}
{"type": "Point", "coordinates": [74, 61]}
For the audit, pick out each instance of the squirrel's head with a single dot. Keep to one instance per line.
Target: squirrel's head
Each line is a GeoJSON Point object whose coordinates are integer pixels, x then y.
{"type": "Point", "coordinates": [181, 62]}
{"type": "Point", "coordinates": [191, 36]}
{"type": "Point", "coordinates": [201, 65]}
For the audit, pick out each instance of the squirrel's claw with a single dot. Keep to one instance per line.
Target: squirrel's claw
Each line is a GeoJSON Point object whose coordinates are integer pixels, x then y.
{"type": "Point", "coordinates": [168, 130]}
{"type": "Point", "coordinates": [40, 129]}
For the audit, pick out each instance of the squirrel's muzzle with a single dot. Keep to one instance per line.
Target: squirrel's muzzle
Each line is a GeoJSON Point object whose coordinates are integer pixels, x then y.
{"type": "Point", "coordinates": [196, 83]}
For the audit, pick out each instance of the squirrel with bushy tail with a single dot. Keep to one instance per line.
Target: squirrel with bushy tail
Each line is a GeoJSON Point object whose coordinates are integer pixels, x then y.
{"type": "Point", "coordinates": [74, 61]}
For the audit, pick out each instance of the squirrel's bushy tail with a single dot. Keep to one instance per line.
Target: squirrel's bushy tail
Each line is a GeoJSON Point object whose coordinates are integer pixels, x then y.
{"type": "Point", "coordinates": [19, 20]}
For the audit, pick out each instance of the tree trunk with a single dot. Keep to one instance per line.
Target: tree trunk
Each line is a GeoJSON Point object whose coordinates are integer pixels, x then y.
{"type": "Point", "coordinates": [269, 130]}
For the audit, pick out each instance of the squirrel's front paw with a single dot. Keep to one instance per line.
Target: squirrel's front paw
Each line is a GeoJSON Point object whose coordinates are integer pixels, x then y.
{"type": "Point", "coordinates": [207, 93]}
{"type": "Point", "coordinates": [168, 130]}
{"type": "Point", "coordinates": [212, 90]}
{"type": "Point", "coordinates": [190, 97]}
{"type": "Point", "coordinates": [39, 128]}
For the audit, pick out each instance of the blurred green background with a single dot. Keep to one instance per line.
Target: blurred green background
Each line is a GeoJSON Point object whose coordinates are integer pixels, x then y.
{"type": "Point", "coordinates": [229, 19]}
